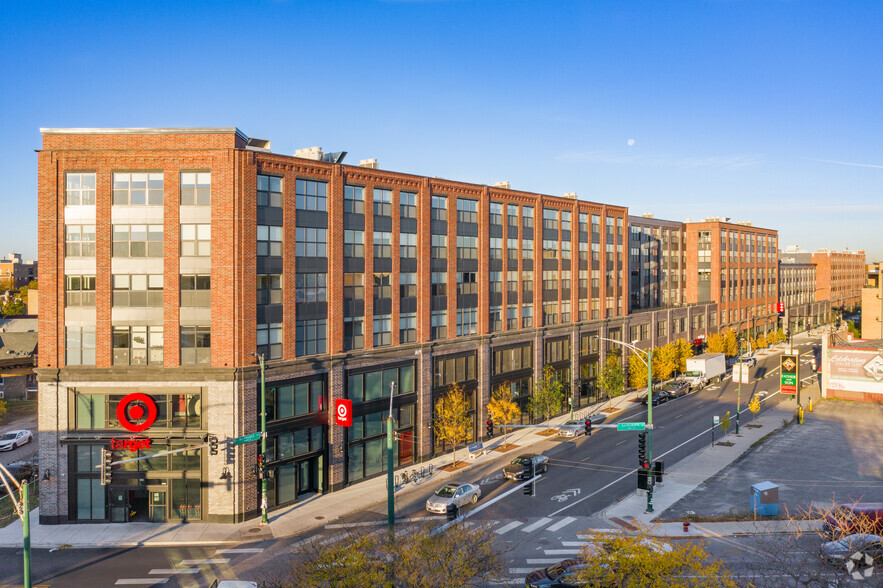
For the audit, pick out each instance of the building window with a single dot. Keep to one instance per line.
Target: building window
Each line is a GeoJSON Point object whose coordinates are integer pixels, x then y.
{"type": "Point", "coordinates": [565, 220]}
{"type": "Point", "coordinates": [408, 285]}
{"type": "Point", "coordinates": [353, 243]}
{"type": "Point", "coordinates": [353, 286]}
{"type": "Point", "coordinates": [382, 285]}
{"type": "Point", "coordinates": [196, 345]}
{"type": "Point", "coordinates": [526, 316]}
{"type": "Point", "coordinates": [310, 195]}
{"type": "Point", "coordinates": [467, 247]}
{"type": "Point", "coordinates": [382, 330]}
{"type": "Point", "coordinates": [438, 323]}
{"type": "Point", "coordinates": [467, 210]}
{"type": "Point", "coordinates": [407, 246]}
{"type": "Point", "coordinates": [565, 250]}
{"type": "Point", "coordinates": [439, 210]}
{"type": "Point", "coordinates": [269, 191]}
{"type": "Point", "coordinates": [196, 240]}
{"type": "Point", "coordinates": [439, 283]}
{"type": "Point", "coordinates": [269, 241]}
{"type": "Point", "coordinates": [496, 318]}
{"type": "Point", "coordinates": [354, 199]}
{"type": "Point", "coordinates": [527, 281]}
{"type": "Point", "coordinates": [137, 290]}
{"type": "Point", "coordinates": [408, 327]}
{"type": "Point", "coordinates": [565, 311]}
{"type": "Point", "coordinates": [439, 249]}
{"type": "Point", "coordinates": [550, 249]}
{"type": "Point", "coordinates": [527, 249]}
{"type": "Point", "coordinates": [496, 213]}
{"type": "Point", "coordinates": [309, 337]}
{"type": "Point", "coordinates": [496, 247]}
{"type": "Point", "coordinates": [527, 217]}
{"type": "Point", "coordinates": [79, 240]}
{"type": "Point", "coordinates": [310, 287]}
{"type": "Point", "coordinates": [550, 313]}
{"type": "Point", "coordinates": [294, 400]}
{"type": "Point", "coordinates": [196, 290]}
{"type": "Point", "coordinates": [449, 370]}
{"type": "Point", "coordinates": [138, 345]}
{"type": "Point", "coordinates": [382, 202]}
{"type": "Point", "coordinates": [550, 281]}
{"type": "Point", "coordinates": [512, 317]}
{"type": "Point", "coordinates": [353, 333]}
{"type": "Point", "coordinates": [79, 189]}
{"type": "Point", "coordinates": [79, 346]}
{"type": "Point", "coordinates": [138, 189]}
{"type": "Point", "coordinates": [467, 283]}
{"type": "Point", "coordinates": [467, 321]}
{"type": "Point", "coordinates": [661, 329]}
{"type": "Point", "coordinates": [137, 240]}
{"type": "Point", "coordinates": [550, 219]}
{"type": "Point", "coordinates": [408, 204]}
{"type": "Point", "coordinates": [512, 216]}
{"type": "Point", "coordinates": [79, 291]}
{"type": "Point", "coordinates": [496, 282]}
{"type": "Point", "coordinates": [269, 289]}
{"type": "Point", "coordinates": [196, 188]}
{"type": "Point", "coordinates": [269, 340]}
{"type": "Point", "coordinates": [309, 242]}
{"type": "Point", "coordinates": [383, 244]}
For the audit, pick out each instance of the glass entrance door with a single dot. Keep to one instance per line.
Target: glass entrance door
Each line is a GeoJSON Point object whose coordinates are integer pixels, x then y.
{"type": "Point", "coordinates": [157, 505]}
{"type": "Point", "coordinates": [119, 504]}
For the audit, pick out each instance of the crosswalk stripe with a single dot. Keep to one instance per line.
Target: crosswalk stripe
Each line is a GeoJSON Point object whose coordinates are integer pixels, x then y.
{"type": "Point", "coordinates": [540, 523]}
{"type": "Point", "coordinates": [573, 543]}
{"type": "Point", "coordinates": [241, 550]}
{"type": "Point", "coordinates": [520, 571]}
{"type": "Point", "coordinates": [204, 562]}
{"type": "Point", "coordinates": [175, 571]}
{"type": "Point", "coordinates": [561, 551]}
{"type": "Point", "coordinates": [561, 524]}
{"type": "Point", "coordinates": [509, 527]}
{"type": "Point", "coordinates": [141, 581]}
{"type": "Point", "coordinates": [543, 561]}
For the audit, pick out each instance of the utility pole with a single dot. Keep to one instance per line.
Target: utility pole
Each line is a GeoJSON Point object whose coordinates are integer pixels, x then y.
{"type": "Point", "coordinates": [652, 479]}
{"type": "Point", "coordinates": [739, 389]}
{"type": "Point", "coordinates": [390, 465]}
{"type": "Point", "coordinates": [264, 518]}
{"type": "Point", "coordinates": [22, 509]}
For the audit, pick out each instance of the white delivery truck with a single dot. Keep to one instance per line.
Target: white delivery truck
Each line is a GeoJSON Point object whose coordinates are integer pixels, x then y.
{"type": "Point", "coordinates": [705, 368]}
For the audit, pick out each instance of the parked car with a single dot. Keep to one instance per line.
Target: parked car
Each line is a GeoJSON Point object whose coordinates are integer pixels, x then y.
{"type": "Point", "coordinates": [748, 360]}
{"type": "Point", "coordinates": [577, 427]}
{"type": "Point", "coordinates": [859, 517]}
{"type": "Point", "coordinates": [676, 388]}
{"type": "Point", "coordinates": [515, 470]}
{"type": "Point", "coordinates": [459, 494]}
{"type": "Point", "coordinates": [659, 397]}
{"type": "Point", "coordinates": [15, 439]}
{"type": "Point", "coordinates": [564, 574]}
{"type": "Point", "coordinates": [837, 551]}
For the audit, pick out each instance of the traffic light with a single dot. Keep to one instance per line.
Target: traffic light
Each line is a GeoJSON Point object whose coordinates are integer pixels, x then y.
{"type": "Point", "coordinates": [106, 461]}
{"type": "Point", "coordinates": [529, 473]}
{"type": "Point", "coordinates": [642, 450]}
{"type": "Point", "coordinates": [588, 427]}
{"type": "Point", "coordinates": [260, 466]}
{"type": "Point", "coordinates": [490, 428]}
{"type": "Point", "coordinates": [213, 444]}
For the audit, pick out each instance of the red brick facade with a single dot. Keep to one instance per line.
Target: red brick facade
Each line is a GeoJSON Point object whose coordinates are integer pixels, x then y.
{"type": "Point", "coordinates": [840, 277]}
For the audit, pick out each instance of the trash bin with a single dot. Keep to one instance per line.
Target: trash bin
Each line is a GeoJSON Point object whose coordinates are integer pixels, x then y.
{"type": "Point", "coordinates": [765, 499]}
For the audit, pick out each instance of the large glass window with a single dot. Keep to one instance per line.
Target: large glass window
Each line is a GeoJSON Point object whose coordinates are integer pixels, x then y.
{"type": "Point", "coordinates": [354, 243]}
{"type": "Point", "coordinates": [269, 191]}
{"type": "Point", "coordinates": [364, 387]}
{"type": "Point", "coordinates": [309, 242]}
{"type": "Point", "coordinates": [138, 189]}
{"type": "Point", "coordinates": [269, 340]}
{"type": "Point", "coordinates": [196, 240]}
{"type": "Point", "coordinates": [196, 290]}
{"type": "Point", "coordinates": [408, 327]}
{"type": "Point", "coordinates": [382, 285]}
{"type": "Point", "coordinates": [449, 370]}
{"type": "Point", "coordinates": [439, 283]}
{"type": "Point", "coordinates": [292, 400]}
{"type": "Point", "coordinates": [79, 189]}
{"type": "Point", "coordinates": [137, 240]}
{"type": "Point", "coordinates": [438, 323]}
{"type": "Point", "coordinates": [382, 202]}
{"type": "Point", "coordinates": [79, 240]}
{"type": "Point", "coordinates": [354, 199]}
{"type": "Point", "coordinates": [90, 499]}
{"type": "Point", "coordinates": [79, 346]}
{"type": "Point", "coordinates": [439, 247]}
{"type": "Point", "coordinates": [196, 188]}
{"type": "Point", "coordinates": [310, 195]}
{"type": "Point", "coordinates": [138, 290]}
{"type": "Point", "coordinates": [467, 210]}
{"type": "Point", "coordinates": [138, 345]}
{"type": "Point", "coordinates": [408, 204]}
{"type": "Point", "coordinates": [439, 210]}
{"type": "Point", "coordinates": [407, 246]}
{"type": "Point", "coordinates": [173, 410]}
{"type": "Point", "coordinates": [196, 345]}
{"type": "Point", "coordinates": [79, 290]}
{"type": "Point", "coordinates": [309, 337]}
{"type": "Point", "coordinates": [408, 285]}
{"type": "Point", "coordinates": [353, 333]}
{"type": "Point", "coordinates": [353, 286]}
{"type": "Point", "coordinates": [269, 241]}
{"type": "Point", "coordinates": [310, 287]}
{"type": "Point", "coordinates": [382, 330]}
{"type": "Point", "coordinates": [382, 244]}
{"type": "Point", "coordinates": [467, 247]}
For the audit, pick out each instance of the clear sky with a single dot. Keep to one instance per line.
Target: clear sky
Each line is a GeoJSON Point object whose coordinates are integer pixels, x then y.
{"type": "Point", "coordinates": [768, 111]}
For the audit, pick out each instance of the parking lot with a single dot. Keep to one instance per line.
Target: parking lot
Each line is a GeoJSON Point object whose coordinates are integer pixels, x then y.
{"type": "Point", "coordinates": [835, 456]}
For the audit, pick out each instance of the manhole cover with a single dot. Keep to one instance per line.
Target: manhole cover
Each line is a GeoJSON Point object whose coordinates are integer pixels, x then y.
{"type": "Point", "coordinates": [254, 530]}
{"type": "Point", "coordinates": [319, 518]}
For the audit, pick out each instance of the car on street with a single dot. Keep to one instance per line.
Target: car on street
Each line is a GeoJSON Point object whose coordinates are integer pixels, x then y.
{"type": "Point", "coordinates": [516, 469]}
{"type": "Point", "coordinates": [453, 493]}
{"type": "Point", "coordinates": [675, 388]}
{"type": "Point", "coordinates": [659, 397]}
{"type": "Point", "coordinates": [863, 543]}
{"type": "Point", "coordinates": [577, 427]}
{"type": "Point", "coordinates": [15, 439]}
{"type": "Point", "coordinates": [748, 360]}
{"type": "Point", "coordinates": [564, 574]}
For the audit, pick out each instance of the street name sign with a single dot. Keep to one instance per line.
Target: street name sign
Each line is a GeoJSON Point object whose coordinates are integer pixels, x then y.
{"type": "Point", "coordinates": [788, 370]}
{"type": "Point", "coordinates": [630, 426]}
{"type": "Point", "coordinates": [247, 438]}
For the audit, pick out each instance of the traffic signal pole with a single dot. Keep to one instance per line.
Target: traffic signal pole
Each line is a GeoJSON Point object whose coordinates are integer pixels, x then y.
{"type": "Point", "coordinates": [264, 519]}
{"type": "Point", "coordinates": [650, 427]}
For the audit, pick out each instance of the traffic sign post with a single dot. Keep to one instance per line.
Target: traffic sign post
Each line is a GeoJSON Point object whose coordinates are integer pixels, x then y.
{"type": "Point", "coordinates": [788, 369]}
{"type": "Point", "coordinates": [631, 426]}
{"type": "Point", "coordinates": [248, 438]}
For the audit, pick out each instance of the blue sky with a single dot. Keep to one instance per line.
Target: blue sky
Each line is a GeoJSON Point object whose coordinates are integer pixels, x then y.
{"type": "Point", "coordinates": [767, 111]}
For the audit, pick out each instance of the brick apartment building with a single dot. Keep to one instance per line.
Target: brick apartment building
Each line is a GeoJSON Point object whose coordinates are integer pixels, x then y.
{"type": "Point", "coordinates": [840, 277]}
{"type": "Point", "coordinates": [171, 257]}
{"type": "Point", "coordinates": [797, 290]}
{"type": "Point", "coordinates": [872, 302]}
{"type": "Point", "coordinates": [16, 271]}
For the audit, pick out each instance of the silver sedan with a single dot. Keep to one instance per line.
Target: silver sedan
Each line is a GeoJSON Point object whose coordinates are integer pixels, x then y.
{"type": "Point", "coordinates": [575, 428]}
{"type": "Point", "coordinates": [15, 439]}
{"type": "Point", "coordinates": [459, 494]}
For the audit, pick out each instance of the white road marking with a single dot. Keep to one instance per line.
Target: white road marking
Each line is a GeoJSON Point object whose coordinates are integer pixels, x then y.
{"type": "Point", "coordinates": [509, 527]}
{"type": "Point", "coordinates": [241, 550]}
{"type": "Point", "coordinates": [561, 551]}
{"type": "Point", "coordinates": [537, 525]}
{"type": "Point", "coordinates": [543, 561]}
{"type": "Point", "coordinates": [561, 524]}
{"type": "Point", "coordinates": [141, 581]}
{"type": "Point", "coordinates": [574, 543]}
{"type": "Point", "coordinates": [176, 571]}
{"type": "Point", "coordinates": [205, 562]}
{"type": "Point", "coordinates": [520, 572]}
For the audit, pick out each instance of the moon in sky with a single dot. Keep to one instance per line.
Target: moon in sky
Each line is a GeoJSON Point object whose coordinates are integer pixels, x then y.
{"type": "Point", "coordinates": [631, 142]}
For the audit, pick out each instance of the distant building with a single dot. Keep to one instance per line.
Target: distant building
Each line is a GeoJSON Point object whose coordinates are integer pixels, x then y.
{"type": "Point", "coordinates": [20, 273]}
{"type": "Point", "coordinates": [797, 290]}
{"type": "Point", "coordinates": [840, 277]}
{"type": "Point", "coordinates": [18, 350]}
{"type": "Point", "coordinates": [872, 302]}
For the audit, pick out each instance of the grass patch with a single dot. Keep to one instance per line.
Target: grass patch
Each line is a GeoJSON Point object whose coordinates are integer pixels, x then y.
{"type": "Point", "coordinates": [18, 408]}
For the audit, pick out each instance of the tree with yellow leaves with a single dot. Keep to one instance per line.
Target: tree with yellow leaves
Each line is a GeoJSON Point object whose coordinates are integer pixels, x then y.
{"type": "Point", "coordinates": [685, 352]}
{"type": "Point", "coordinates": [637, 372]}
{"type": "Point", "coordinates": [452, 423]}
{"type": "Point", "coordinates": [715, 343]}
{"type": "Point", "coordinates": [502, 409]}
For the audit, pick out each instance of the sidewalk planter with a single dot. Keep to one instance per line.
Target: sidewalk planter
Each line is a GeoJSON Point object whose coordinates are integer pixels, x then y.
{"type": "Point", "coordinates": [765, 499]}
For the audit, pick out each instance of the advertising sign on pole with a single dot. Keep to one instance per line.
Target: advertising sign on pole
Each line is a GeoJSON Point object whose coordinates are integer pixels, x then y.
{"type": "Point", "coordinates": [788, 368]}
{"type": "Point", "coordinates": [740, 373]}
{"type": "Point", "coordinates": [343, 411]}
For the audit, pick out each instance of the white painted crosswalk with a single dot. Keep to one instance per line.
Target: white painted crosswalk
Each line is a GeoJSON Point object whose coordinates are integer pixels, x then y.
{"type": "Point", "coordinates": [561, 524]}
{"type": "Point", "coordinates": [173, 571]}
{"type": "Point", "coordinates": [205, 562]}
{"type": "Point", "coordinates": [506, 528]}
{"type": "Point", "coordinates": [537, 525]}
{"type": "Point", "coordinates": [140, 581]}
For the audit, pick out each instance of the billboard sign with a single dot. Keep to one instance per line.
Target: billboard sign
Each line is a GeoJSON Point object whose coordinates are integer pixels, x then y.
{"type": "Point", "coordinates": [855, 370]}
{"type": "Point", "coordinates": [789, 370]}
{"type": "Point", "coordinates": [343, 411]}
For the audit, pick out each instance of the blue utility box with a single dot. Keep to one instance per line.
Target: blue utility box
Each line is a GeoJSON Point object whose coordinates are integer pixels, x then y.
{"type": "Point", "coordinates": [765, 499]}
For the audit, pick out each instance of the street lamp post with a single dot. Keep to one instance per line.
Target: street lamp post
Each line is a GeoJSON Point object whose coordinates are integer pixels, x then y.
{"type": "Point", "coordinates": [390, 492]}
{"type": "Point", "coordinates": [739, 389]}
{"type": "Point", "coordinates": [22, 509]}
{"type": "Point", "coordinates": [264, 519]}
{"type": "Point", "coordinates": [649, 364]}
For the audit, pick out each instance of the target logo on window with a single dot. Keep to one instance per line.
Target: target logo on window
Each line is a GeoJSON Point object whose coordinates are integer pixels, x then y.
{"type": "Point", "coordinates": [136, 412]}
{"type": "Point", "coordinates": [343, 410]}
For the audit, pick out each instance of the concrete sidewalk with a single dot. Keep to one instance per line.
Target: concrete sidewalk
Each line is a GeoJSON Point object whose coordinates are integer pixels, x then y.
{"type": "Point", "coordinates": [311, 513]}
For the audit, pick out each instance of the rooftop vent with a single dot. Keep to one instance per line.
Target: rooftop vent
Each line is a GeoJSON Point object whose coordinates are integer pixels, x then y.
{"type": "Point", "coordinates": [368, 163]}
{"type": "Point", "coordinates": [258, 145]}
{"type": "Point", "coordinates": [647, 215]}
{"type": "Point", "coordinates": [502, 185]}
{"type": "Point", "coordinates": [314, 153]}
{"type": "Point", "coordinates": [571, 195]}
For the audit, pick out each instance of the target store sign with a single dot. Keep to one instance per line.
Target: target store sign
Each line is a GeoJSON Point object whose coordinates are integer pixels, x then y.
{"type": "Point", "coordinates": [343, 411]}
{"type": "Point", "coordinates": [136, 412]}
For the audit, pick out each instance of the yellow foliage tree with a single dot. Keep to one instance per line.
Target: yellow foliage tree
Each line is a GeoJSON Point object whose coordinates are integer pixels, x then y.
{"type": "Point", "coordinates": [502, 409]}
{"type": "Point", "coordinates": [754, 406]}
{"type": "Point", "coordinates": [731, 344]}
{"type": "Point", "coordinates": [665, 361]}
{"type": "Point", "coordinates": [715, 343]}
{"type": "Point", "coordinates": [685, 352]}
{"type": "Point", "coordinates": [637, 372]}
{"type": "Point", "coordinates": [452, 423]}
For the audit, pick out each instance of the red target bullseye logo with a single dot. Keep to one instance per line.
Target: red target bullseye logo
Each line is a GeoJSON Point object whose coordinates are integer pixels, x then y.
{"type": "Point", "coordinates": [127, 410]}
{"type": "Point", "coordinates": [344, 410]}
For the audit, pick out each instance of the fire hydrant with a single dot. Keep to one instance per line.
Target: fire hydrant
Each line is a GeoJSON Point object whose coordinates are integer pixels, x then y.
{"type": "Point", "coordinates": [686, 526]}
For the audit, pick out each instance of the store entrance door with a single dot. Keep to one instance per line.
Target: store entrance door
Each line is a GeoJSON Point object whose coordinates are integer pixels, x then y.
{"type": "Point", "coordinates": [157, 505]}
{"type": "Point", "coordinates": [119, 504]}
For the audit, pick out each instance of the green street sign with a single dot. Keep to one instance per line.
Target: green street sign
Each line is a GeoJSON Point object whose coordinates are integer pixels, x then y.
{"type": "Point", "coordinates": [247, 438]}
{"type": "Point", "coordinates": [630, 426]}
